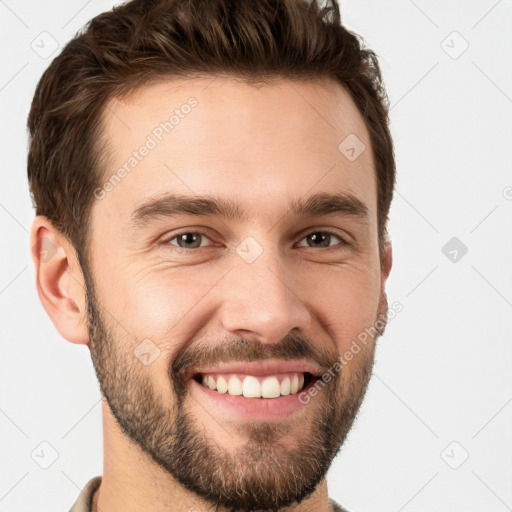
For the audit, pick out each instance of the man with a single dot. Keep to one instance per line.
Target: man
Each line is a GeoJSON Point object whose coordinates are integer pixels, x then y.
{"type": "Point", "coordinates": [212, 182]}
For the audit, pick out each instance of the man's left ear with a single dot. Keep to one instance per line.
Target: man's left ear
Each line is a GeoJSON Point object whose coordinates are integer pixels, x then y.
{"type": "Point", "coordinates": [59, 280]}
{"type": "Point", "coordinates": [387, 262]}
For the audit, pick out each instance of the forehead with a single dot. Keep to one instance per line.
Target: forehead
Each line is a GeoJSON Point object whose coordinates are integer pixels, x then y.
{"type": "Point", "coordinates": [260, 145]}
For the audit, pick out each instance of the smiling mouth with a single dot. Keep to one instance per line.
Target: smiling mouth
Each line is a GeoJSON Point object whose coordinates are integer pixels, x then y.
{"type": "Point", "coordinates": [252, 386]}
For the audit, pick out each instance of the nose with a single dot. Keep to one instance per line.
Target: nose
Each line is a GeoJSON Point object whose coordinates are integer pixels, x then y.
{"type": "Point", "coordinates": [262, 300]}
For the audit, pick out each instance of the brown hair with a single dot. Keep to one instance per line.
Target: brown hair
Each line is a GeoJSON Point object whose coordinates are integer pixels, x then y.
{"type": "Point", "coordinates": [142, 40]}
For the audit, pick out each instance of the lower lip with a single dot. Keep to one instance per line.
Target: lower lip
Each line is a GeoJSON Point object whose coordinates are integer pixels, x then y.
{"type": "Point", "coordinates": [251, 408]}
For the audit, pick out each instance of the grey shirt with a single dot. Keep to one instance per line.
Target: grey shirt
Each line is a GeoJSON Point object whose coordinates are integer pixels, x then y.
{"type": "Point", "coordinates": [84, 500]}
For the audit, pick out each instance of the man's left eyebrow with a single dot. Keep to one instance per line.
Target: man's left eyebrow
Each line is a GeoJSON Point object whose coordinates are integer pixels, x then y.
{"type": "Point", "coordinates": [323, 203]}
{"type": "Point", "coordinates": [171, 205]}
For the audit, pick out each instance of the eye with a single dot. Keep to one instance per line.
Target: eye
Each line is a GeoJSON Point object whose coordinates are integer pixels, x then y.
{"type": "Point", "coordinates": [188, 240]}
{"type": "Point", "coordinates": [322, 239]}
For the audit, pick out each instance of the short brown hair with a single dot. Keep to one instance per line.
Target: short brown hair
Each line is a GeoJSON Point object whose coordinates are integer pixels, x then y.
{"type": "Point", "coordinates": [142, 40]}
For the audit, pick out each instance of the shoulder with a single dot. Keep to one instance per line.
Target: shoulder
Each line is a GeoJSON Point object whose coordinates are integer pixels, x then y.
{"type": "Point", "coordinates": [84, 499]}
{"type": "Point", "coordinates": [335, 507]}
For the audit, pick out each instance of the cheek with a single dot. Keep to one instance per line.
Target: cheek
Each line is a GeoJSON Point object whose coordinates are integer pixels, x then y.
{"type": "Point", "coordinates": [346, 301]}
{"type": "Point", "coordinates": [169, 305]}
{"type": "Point", "coordinates": [159, 304]}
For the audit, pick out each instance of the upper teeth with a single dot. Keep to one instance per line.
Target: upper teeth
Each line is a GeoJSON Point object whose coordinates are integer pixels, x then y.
{"type": "Point", "coordinates": [249, 386]}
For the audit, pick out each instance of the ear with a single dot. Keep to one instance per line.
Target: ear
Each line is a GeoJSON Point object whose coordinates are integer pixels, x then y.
{"type": "Point", "coordinates": [386, 263]}
{"type": "Point", "coordinates": [59, 280]}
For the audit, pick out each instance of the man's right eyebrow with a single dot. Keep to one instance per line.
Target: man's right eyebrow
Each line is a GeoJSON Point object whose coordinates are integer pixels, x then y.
{"type": "Point", "coordinates": [171, 205]}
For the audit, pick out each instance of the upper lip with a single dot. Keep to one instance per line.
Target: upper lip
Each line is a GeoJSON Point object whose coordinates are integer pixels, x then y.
{"type": "Point", "coordinates": [260, 368]}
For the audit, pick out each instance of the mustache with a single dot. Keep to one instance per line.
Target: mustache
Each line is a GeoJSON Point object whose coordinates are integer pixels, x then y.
{"type": "Point", "coordinates": [292, 347]}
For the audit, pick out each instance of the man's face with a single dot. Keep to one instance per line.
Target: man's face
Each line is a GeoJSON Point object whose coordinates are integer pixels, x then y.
{"type": "Point", "coordinates": [265, 299]}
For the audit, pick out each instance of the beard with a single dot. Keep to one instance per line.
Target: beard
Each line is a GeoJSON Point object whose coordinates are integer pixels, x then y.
{"type": "Point", "coordinates": [279, 463]}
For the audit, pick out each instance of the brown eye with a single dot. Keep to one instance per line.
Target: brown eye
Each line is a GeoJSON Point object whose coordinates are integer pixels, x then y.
{"type": "Point", "coordinates": [188, 240]}
{"type": "Point", "coordinates": [323, 239]}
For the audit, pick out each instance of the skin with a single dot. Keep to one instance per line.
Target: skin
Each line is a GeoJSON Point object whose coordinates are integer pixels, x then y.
{"type": "Point", "coordinates": [263, 147]}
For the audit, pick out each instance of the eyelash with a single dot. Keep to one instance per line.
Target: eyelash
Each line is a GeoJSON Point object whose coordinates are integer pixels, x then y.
{"type": "Point", "coordinates": [323, 231]}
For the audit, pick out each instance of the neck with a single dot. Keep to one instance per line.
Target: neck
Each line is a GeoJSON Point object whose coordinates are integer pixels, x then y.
{"type": "Point", "coordinates": [132, 482]}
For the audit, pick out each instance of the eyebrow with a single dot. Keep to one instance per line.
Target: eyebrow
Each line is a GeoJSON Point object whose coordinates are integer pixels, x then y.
{"type": "Point", "coordinates": [319, 204]}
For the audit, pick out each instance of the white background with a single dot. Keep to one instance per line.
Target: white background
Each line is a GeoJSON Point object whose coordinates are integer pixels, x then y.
{"type": "Point", "coordinates": [442, 387]}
